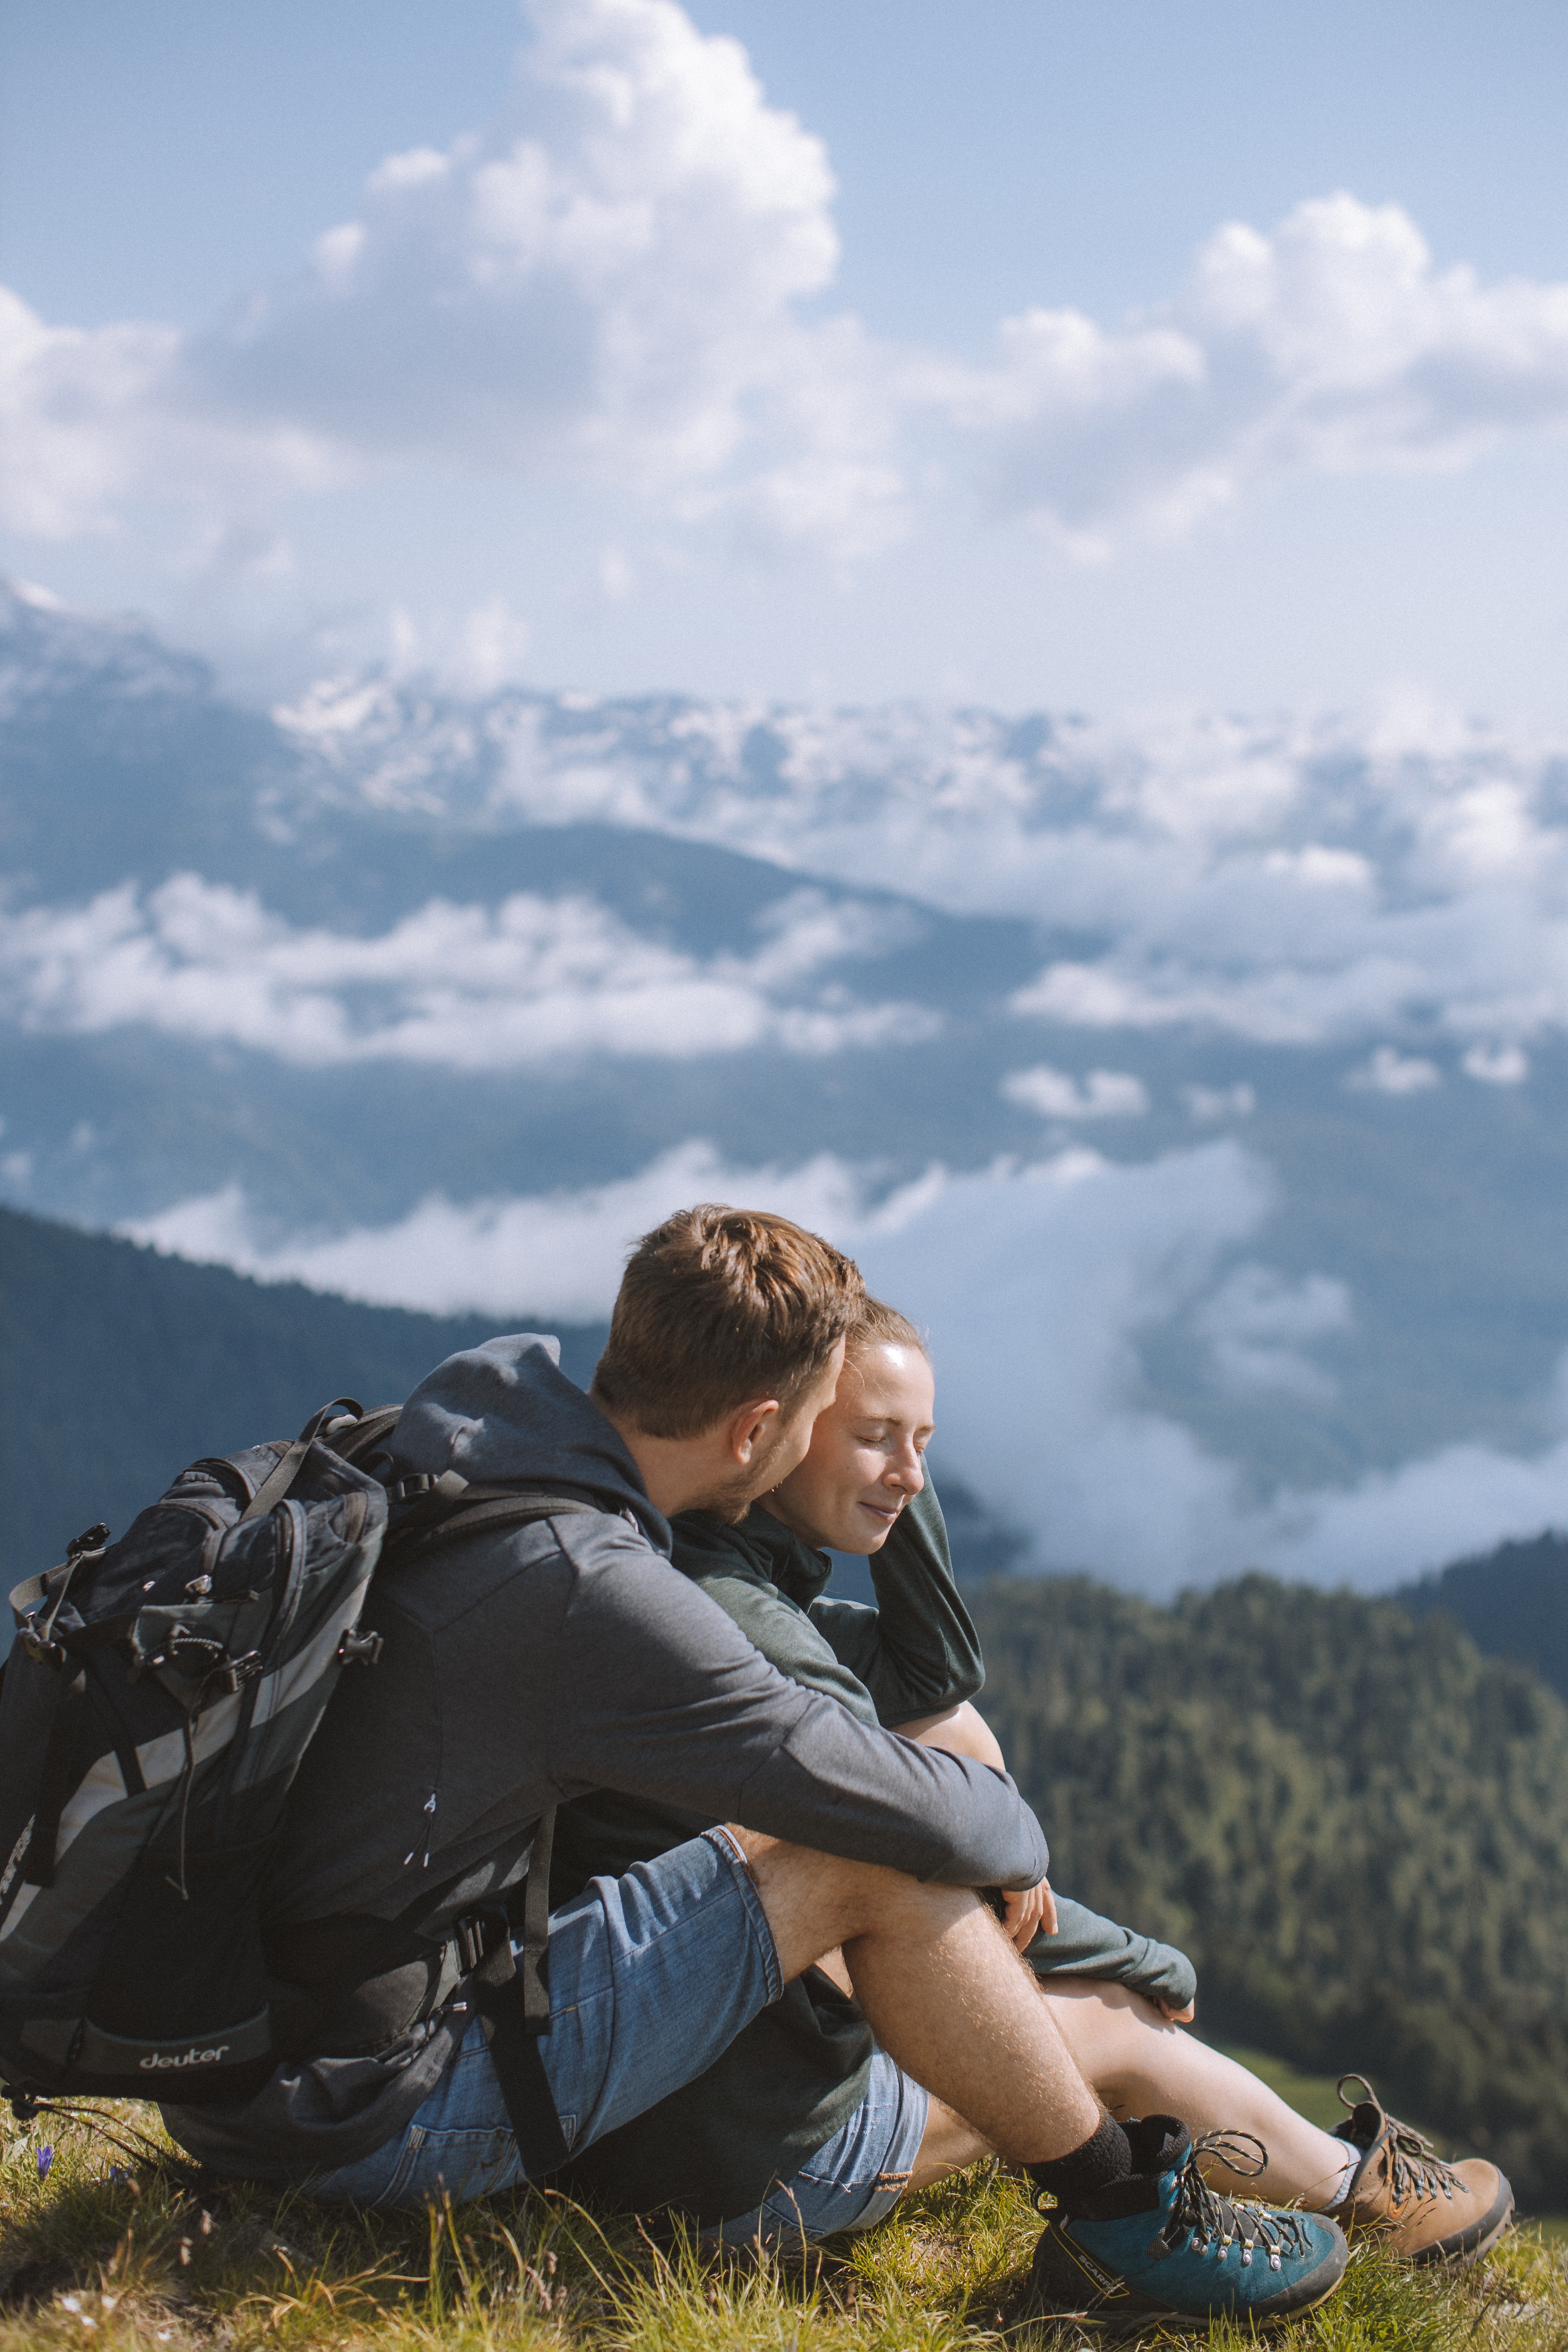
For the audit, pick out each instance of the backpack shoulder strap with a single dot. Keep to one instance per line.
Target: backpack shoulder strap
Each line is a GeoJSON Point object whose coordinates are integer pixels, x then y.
{"type": "Point", "coordinates": [435, 1514]}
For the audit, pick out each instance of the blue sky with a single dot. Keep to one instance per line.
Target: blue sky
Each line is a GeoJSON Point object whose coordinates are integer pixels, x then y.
{"type": "Point", "coordinates": [900, 506]}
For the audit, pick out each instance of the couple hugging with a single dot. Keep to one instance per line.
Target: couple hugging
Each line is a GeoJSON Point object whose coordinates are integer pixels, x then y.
{"type": "Point", "coordinates": [801, 1952]}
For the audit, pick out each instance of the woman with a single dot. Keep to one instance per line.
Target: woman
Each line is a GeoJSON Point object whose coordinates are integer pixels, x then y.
{"type": "Point", "coordinates": [804, 2125]}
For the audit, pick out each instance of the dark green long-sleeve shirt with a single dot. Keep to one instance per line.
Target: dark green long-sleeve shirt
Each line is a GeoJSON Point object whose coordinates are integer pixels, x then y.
{"type": "Point", "coordinates": [798, 2071]}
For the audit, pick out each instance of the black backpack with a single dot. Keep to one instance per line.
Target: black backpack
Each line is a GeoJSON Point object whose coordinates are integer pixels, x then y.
{"type": "Point", "coordinates": [154, 1712]}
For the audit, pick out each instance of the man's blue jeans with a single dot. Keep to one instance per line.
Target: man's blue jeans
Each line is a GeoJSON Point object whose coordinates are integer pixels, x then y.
{"type": "Point", "coordinates": [652, 1975]}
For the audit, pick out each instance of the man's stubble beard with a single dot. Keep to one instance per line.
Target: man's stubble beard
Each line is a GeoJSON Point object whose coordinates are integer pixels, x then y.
{"type": "Point", "coordinates": [729, 1502]}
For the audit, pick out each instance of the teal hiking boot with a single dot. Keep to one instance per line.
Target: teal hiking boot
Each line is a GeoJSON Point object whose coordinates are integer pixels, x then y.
{"type": "Point", "coordinates": [1162, 2247]}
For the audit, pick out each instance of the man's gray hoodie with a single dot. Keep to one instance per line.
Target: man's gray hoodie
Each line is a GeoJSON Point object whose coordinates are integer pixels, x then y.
{"type": "Point", "coordinates": [525, 1668]}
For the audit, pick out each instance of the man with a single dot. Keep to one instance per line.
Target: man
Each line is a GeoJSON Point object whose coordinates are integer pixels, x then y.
{"type": "Point", "coordinates": [525, 1667]}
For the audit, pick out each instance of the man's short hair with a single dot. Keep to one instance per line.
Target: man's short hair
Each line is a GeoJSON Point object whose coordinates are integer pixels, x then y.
{"type": "Point", "coordinates": [718, 1306]}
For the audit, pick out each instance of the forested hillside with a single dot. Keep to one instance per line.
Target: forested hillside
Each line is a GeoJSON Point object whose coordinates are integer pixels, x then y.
{"type": "Point", "coordinates": [1512, 1603]}
{"type": "Point", "coordinates": [117, 1366]}
{"type": "Point", "coordinates": [1356, 1825]}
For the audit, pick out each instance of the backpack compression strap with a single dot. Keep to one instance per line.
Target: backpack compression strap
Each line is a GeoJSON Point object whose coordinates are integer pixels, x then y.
{"type": "Point", "coordinates": [436, 1512]}
{"type": "Point", "coordinates": [440, 1511]}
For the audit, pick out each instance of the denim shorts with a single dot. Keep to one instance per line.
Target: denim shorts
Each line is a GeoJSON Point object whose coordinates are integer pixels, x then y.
{"type": "Point", "coordinates": [652, 1975]}
{"type": "Point", "coordinates": [854, 2180]}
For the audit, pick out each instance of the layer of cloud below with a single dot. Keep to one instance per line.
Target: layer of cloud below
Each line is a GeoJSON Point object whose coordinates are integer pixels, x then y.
{"type": "Point", "coordinates": [464, 987]}
{"type": "Point", "coordinates": [1283, 881]}
{"type": "Point", "coordinates": [1036, 1282]}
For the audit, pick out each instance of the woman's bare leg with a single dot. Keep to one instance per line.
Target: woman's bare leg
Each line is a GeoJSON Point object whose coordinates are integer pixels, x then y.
{"type": "Point", "coordinates": [1142, 2065]}
{"type": "Point", "coordinates": [1138, 2064]}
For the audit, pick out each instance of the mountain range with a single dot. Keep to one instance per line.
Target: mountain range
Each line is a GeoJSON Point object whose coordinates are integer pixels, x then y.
{"type": "Point", "coordinates": [1197, 1082]}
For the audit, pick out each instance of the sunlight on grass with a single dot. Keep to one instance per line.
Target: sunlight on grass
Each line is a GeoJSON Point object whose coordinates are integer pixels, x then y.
{"type": "Point", "coordinates": [97, 2245]}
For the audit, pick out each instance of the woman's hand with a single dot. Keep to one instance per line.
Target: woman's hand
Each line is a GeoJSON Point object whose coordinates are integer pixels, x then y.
{"type": "Point", "coordinates": [1026, 1912]}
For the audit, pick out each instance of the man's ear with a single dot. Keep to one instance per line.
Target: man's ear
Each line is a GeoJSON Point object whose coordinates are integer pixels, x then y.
{"type": "Point", "coordinates": [750, 1429]}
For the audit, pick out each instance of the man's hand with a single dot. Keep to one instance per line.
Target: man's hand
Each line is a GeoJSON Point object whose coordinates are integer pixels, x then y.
{"type": "Point", "coordinates": [1028, 1912]}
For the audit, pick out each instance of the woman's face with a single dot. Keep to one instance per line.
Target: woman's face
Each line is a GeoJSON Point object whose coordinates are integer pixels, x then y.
{"type": "Point", "coordinates": [864, 1464]}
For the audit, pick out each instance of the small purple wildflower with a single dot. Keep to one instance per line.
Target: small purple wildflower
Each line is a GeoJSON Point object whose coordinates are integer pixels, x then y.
{"type": "Point", "coordinates": [46, 2157]}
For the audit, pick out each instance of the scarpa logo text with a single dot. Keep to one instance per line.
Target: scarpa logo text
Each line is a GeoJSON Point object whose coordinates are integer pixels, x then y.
{"type": "Point", "coordinates": [192, 2057]}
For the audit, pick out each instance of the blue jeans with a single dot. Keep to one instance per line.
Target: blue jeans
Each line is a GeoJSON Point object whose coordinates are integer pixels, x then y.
{"type": "Point", "coordinates": [652, 1975]}
{"type": "Point", "coordinates": [854, 2180]}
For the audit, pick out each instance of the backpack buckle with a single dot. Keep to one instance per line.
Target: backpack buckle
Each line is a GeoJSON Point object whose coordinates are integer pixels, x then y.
{"type": "Point", "coordinates": [475, 1936]}
{"type": "Point", "coordinates": [38, 1644]}
{"type": "Point", "coordinates": [233, 1673]}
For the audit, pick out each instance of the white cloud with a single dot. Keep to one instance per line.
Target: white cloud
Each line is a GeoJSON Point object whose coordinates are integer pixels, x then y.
{"type": "Point", "coordinates": [1497, 1066]}
{"type": "Point", "coordinates": [1036, 1281]}
{"type": "Point", "coordinates": [604, 284]}
{"type": "Point", "coordinates": [1206, 1104]}
{"type": "Point", "coordinates": [1037, 1284]}
{"type": "Point", "coordinates": [1256, 1325]}
{"type": "Point", "coordinates": [618, 281]}
{"type": "Point", "coordinates": [1397, 1523]}
{"type": "Point", "coordinates": [1389, 1072]}
{"type": "Point", "coordinates": [1103, 1094]}
{"type": "Point", "coordinates": [1340, 880]}
{"type": "Point", "coordinates": [1330, 344]}
{"type": "Point", "coordinates": [558, 1254]}
{"type": "Point", "coordinates": [466, 987]}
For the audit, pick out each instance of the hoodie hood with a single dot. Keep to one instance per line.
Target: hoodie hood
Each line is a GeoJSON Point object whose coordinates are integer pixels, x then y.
{"type": "Point", "coordinates": [507, 1411]}
{"type": "Point", "coordinates": [761, 1543]}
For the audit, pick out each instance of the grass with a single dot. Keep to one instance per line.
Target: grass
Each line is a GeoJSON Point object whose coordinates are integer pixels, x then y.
{"type": "Point", "coordinates": [105, 2250]}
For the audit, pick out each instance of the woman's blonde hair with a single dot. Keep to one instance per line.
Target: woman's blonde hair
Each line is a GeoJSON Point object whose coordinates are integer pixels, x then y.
{"type": "Point", "coordinates": [874, 1325]}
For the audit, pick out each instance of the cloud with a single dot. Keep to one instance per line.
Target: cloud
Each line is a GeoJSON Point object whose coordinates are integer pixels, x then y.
{"type": "Point", "coordinates": [1395, 1524]}
{"type": "Point", "coordinates": [553, 1254]}
{"type": "Point", "coordinates": [604, 284]}
{"type": "Point", "coordinates": [621, 281]}
{"type": "Point", "coordinates": [467, 988]}
{"type": "Point", "coordinates": [1103, 1094]}
{"type": "Point", "coordinates": [1206, 1104]}
{"type": "Point", "coordinates": [1388, 877]}
{"type": "Point", "coordinates": [1038, 1283]}
{"type": "Point", "coordinates": [1393, 1073]}
{"type": "Point", "coordinates": [1256, 1325]}
{"type": "Point", "coordinates": [1497, 1066]}
{"type": "Point", "coordinates": [1330, 344]}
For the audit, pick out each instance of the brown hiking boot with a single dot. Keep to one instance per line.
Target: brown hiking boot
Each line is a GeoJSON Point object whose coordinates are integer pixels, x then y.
{"type": "Point", "coordinates": [1424, 2210]}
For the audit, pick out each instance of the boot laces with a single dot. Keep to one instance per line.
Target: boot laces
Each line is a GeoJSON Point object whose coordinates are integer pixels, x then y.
{"type": "Point", "coordinates": [1414, 2167]}
{"type": "Point", "coordinates": [1216, 2221]}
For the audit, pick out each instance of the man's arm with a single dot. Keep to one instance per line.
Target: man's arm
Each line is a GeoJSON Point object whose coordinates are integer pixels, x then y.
{"type": "Point", "coordinates": [660, 1694]}
{"type": "Point", "coordinates": [917, 1652]}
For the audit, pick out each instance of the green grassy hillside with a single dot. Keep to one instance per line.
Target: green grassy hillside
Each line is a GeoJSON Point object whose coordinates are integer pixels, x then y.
{"type": "Point", "coordinates": [130, 2264]}
{"type": "Point", "coordinates": [1355, 1823]}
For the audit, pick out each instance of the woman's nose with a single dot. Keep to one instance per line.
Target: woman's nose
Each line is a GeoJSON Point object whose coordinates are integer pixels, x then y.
{"type": "Point", "coordinates": [905, 1472]}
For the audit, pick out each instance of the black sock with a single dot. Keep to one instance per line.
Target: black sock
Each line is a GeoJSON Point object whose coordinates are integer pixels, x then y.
{"type": "Point", "coordinates": [1103, 2159]}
